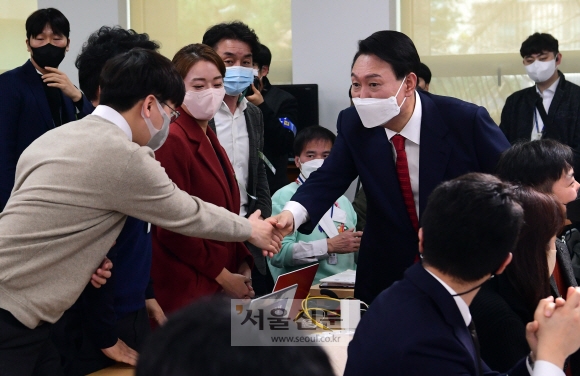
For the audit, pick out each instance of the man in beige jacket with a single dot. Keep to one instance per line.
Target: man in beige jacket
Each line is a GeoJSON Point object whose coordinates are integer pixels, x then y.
{"type": "Point", "coordinates": [74, 188]}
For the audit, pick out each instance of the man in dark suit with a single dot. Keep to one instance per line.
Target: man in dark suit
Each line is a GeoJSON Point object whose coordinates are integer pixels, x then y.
{"type": "Point", "coordinates": [36, 97]}
{"type": "Point", "coordinates": [422, 325]}
{"type": "Point", "coordinates": [239, 126]}
{"type": "Point", "coordinates": [280, 110]}
{"type": "Point", "coordinates": [550, 108]}
{"type": "Point", "coordinates": [438, 138]}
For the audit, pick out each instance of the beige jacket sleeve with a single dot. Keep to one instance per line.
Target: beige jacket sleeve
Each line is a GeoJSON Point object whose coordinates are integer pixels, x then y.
{"type": "Point", "coordinates": [143, 190]}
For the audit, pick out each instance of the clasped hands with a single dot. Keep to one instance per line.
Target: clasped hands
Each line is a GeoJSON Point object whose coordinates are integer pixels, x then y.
{"type": "Point", "coordinates": [268, 233]}
{"type": "Point", "coordinates": [555, 332]}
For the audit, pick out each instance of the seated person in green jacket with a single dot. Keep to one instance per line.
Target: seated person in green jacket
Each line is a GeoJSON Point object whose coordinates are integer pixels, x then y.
{"type": "Point", "coordinates": [334, 242]}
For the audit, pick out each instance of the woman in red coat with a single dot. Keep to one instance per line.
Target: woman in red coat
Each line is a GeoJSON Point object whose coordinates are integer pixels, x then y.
{"type": "Point", "coordinates": [185, 268]}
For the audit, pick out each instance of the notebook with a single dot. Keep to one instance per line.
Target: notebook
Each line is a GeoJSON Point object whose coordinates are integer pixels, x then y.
{"type": "Point", "coordinates": [303, 277]}
{"type": "Point", "coordinates": [342, 279]}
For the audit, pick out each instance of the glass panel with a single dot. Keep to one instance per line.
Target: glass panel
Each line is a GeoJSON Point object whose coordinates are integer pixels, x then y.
{"type": "Point", "coordinates": [176, 23]}
{"type": "Point", "coordinates": [13, 33]}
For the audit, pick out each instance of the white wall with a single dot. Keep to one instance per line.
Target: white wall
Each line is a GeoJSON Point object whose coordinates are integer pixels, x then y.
{"type": "Point", "coordinates": [324, 40]}
{"type": "Point", "coordinates": [85, 17]}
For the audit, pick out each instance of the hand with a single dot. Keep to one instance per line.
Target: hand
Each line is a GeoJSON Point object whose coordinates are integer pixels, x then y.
{"type": "Point", "coordinates": [155, 312]}
{"type": "Point", "coordinates": [60, 80]}
{"type": "Point", "coordinates": [559, 335]}
{"type": "Point", "coordinates": [256, 98]}
{"type": "Point", "coordinates": [120, 352]}
{"type": "Point", "coordinates": [235, 285]}
{"type": "Point", "coordinates": [284, 222]}
{"type": "Point", "coordinates": [549, 306]}
{"type": "Point", "coordinates": [264, 234]}
{"type": "Point", "coordinates": [103, 273]}
{"type": "Point", "coordinates": [246, 271]}
{"type": "Point", "coordinates": [346, 242]}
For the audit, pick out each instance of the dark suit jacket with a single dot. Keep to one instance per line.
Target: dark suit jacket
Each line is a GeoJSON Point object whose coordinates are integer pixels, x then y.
{"type": "Point", "coordinates": [278, 141]}
{"type": "Point", "coordinates": [415, 328]}
{"type": "Point", "coordinates": [456, 138]}
{"type": "Point", "coordinates": [25, 116]}
{"type": "Point", "coordinates": [517, 116]}
{"type": "Point", "coordinates": [257, 181]}
{"type": "Point", "coordinates": [185, 268]}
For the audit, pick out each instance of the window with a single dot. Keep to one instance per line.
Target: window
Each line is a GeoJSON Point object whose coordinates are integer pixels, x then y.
{"type": "Point", "coordinates": [472, 46]}
{"type": "Point", "coordinates": [177, 23]}
{"type": "Point", "coordinates": [13, 32]}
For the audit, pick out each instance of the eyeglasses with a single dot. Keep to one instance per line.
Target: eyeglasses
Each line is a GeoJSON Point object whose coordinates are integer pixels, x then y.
{"type": "Point", "coordinates": [174, 113]}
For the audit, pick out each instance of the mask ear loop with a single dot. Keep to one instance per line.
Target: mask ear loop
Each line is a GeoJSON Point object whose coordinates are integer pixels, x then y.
{"type": "Point", "coordinates": [400, 87]}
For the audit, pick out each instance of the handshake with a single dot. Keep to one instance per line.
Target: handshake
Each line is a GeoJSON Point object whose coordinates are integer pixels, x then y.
{"type": "Point", "coordinates": [268, 233]}
{"type": "Point", "coordinates": [555, 332]}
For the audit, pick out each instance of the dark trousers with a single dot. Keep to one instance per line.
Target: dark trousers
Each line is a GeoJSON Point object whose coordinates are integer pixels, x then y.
{"type": "Point", "coordinates": [80, 355]}
{"type": "Point", "coordinates": [25, 351]}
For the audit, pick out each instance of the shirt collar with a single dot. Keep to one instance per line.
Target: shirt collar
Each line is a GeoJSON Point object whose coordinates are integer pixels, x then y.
{"type": "Point", "coordinates": [463, 307]}
{"type": "Point", "coordinates": [114, 117]}
{"type": "Point", "coordinates": [412, 130]}
{"type": "Point", "coordinates": [241, 106]}
{"type": "Point", "coordinates": [551, 90]}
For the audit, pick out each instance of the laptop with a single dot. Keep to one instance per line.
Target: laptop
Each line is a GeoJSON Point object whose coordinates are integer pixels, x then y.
{"type": "Point", "coordinates": [303, 277]}
{"type": "Point", "coordinates": [281, 299]}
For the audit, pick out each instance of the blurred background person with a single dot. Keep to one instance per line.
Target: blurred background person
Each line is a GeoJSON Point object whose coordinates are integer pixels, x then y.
{"type": "Point", "coordinates": [334, 243]}
{"type": "Point", "coordinates": [280, 111]}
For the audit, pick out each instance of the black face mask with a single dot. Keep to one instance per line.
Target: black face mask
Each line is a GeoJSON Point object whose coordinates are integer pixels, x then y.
{"type": "Point", "coordinates": [48, 55]}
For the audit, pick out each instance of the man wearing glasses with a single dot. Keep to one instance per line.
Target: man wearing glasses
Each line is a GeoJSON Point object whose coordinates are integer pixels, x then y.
{"type": "Point", "coordinates": [75, 187]}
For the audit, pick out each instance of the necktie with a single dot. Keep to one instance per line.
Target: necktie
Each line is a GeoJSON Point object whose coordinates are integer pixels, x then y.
{"type": "Point", "coordinates": [404, 179]}
{"type": "Point", "coordinates": [473, 333]}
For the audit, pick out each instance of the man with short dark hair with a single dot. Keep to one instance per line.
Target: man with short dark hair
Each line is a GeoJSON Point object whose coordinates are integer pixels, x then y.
{"type": "Point", "coordinates": [421, 325]}
{"type": "Point", "coordinates": [280, 110]}
{"type": "Point", "coordinates": [239, 126]}
{"type": "Point", "coordinates": [335, 243]}
{"type": "Point", "coordinates": [36, 97]}
{"type": "Point", "coordinates": [109, 324]}
{"type": "Point", "coordinates": [423, 76]}
{"type": "Point", "coordinates": [550, 108]}
{"type": "Point", "coordinates": [74, 189]}
{"type": "Point", "coordinates": [401, 143]}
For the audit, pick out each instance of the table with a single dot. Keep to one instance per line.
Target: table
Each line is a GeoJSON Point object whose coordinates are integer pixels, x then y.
{"type": "Point", "coordinates": [340, 292]}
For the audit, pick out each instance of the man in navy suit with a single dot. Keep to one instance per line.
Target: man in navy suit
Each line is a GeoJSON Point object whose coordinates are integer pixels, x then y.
{"type": "Point", "coordinates": [421, 325]}
{"type": "Point", "coordinates": [36, 97]}
{"type": "Point", "coordinates": [440, 138]}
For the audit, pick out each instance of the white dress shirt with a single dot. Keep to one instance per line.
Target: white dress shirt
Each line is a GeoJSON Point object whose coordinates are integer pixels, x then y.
{"type": "Point", "coordinates": [232, 132]}
{"type": "Point", "coordinates": [412, 132]}
{"type": "Point", "coordinates": [114, 117]}
{"type": "Point", "coordinates": [541, 367]}
{"type": "Point", "coordinates": [547, 97]}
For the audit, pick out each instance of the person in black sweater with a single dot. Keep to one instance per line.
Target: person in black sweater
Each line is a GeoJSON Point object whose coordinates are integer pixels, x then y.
{"type": "Point", "coordinates": [546, 166]}
{"type": "Point", "coordinates": [507, 302]}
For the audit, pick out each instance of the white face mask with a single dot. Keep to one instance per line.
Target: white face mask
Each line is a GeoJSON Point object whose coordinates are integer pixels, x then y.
{"type": "Point", "coordinates": [309, 167]}
{"type": "Point", "coordinates": [541, 71]}
{"type": "Point", "coordinates": [375, 112]}
{"type": "Point", "coordinates": [204, 104]}
{"type": "Point", "coordinates": [158, 136]}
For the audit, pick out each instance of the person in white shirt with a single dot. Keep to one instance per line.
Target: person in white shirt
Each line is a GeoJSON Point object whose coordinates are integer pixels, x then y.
{"type": "Point", "coordinates": [550, 108]}
{"type": "Point", "coordinates": [239, 126]}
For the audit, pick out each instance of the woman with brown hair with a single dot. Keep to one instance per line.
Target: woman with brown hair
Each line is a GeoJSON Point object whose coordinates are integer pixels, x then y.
{"type": "Point", "coordinates": [506, 303]}
{"type": "Point", "coordinates": [196, 162]}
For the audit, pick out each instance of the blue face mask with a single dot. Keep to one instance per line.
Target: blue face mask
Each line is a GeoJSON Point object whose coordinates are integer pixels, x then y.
{"type": "Point", "coordinates": [237, 79]}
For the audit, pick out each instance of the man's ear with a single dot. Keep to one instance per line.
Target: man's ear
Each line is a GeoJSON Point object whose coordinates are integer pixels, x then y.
{"type": "Point", "coordinates": [265, 70]}
{"type": "Point", "coordinates": [558, 59]}
{"type": "Point", "coordinates": [410, 84]}
{"type": "Point", "coordinates": [297, 161]}
{"type": "Point", "coordinates": [420, 236]}
{"type": "Point", "coordinates": [148, 103]}
{"type": "Point", "coordinates": [67, 44]}
{"type": "Point", "coordinates": [504, 264]}
{"type": "Point", "coordinates": [28, 46]}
